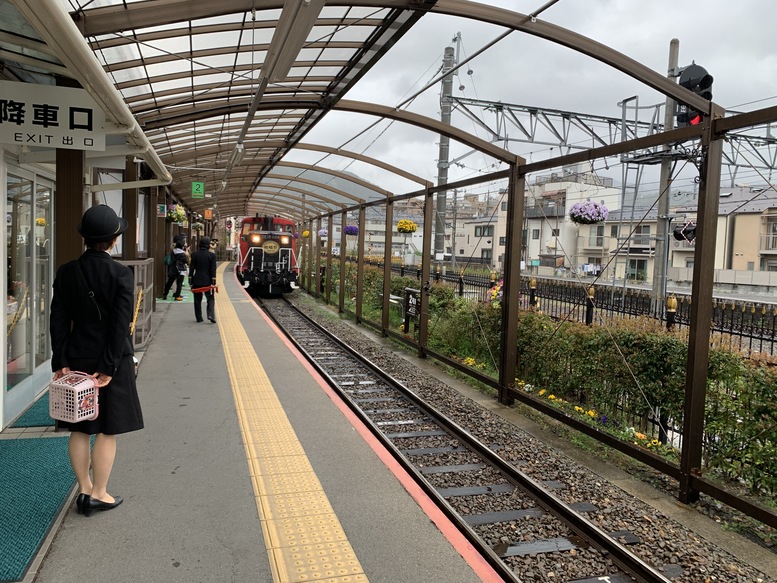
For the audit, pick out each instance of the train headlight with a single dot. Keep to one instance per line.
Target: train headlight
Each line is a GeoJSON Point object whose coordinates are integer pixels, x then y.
{"type": "Point", "coordinates": [256, 238]}
{"type": "Point", "coordinates": [285, 240]}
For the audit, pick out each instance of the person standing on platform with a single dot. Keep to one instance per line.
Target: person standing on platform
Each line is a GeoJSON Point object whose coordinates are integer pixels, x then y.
{"type": "Point", "coordinates": [203, 275]}
{"type": "Point", "coordinates": [176, 270]}
{"type": "Point", "coordinates": [91, 311]}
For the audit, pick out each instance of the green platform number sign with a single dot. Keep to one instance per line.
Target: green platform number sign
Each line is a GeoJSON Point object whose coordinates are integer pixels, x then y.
{"type": "Point", "coordinates": [198, 190]}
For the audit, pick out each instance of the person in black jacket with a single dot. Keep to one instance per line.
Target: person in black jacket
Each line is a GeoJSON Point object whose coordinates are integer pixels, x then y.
{"type": "Point", "coordinates": [203, 275]}
{"type": "Point", "coordinates": [176, 270]}
{"type": "Point", "coordinates": [91, 311]}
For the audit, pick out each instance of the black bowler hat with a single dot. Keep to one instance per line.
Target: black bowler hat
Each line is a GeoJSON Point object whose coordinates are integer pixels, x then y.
{"type": "Point", "coordinates": [100, 223]}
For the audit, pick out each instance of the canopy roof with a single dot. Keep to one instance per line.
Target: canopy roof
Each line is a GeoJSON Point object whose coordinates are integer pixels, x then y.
{"type": "Point", "coordinates": [224, 90]}
{"type": "Point", "coordinates": [221, 92]}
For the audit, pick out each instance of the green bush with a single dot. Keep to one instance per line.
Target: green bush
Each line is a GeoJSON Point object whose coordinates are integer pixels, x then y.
{"type": "Point", "coordinates": [633, 365]}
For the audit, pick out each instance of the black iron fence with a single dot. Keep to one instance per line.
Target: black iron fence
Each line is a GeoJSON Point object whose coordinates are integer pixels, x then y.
{"type": "Point", "coordinates": [748, 326]}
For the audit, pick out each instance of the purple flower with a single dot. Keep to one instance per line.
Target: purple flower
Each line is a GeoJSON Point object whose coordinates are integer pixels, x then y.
{"type": "Point", "coordinates": [323, 233]}
{"type": "Point", "coordinates": [588, 212]}
{"type": "Point", "coordinates": [351, 230]}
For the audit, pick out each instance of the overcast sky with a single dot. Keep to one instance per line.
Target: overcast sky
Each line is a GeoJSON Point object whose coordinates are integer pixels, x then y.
{"type": "Point", "coordinates": [734, 41]}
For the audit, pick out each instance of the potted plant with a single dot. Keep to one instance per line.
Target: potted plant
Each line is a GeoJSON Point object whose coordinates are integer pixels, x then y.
{"type": "Point", "coordinates": [406, 226]}
{"type": "Point", "coordinates": [351, 230]}
{"type": "Point", "coordinates": [589, 212]}
{"type": "Point", "coordinates": [176, 214]}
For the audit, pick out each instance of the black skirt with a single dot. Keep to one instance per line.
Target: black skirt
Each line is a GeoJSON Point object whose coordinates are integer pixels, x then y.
{"type": "Point", "coordinates": [118, 401]}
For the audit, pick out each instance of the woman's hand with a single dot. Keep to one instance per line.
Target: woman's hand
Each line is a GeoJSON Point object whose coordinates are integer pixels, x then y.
{"type": "Point", "coordinates": [58, 374]}
{"type": "Point", "coordinates": [101, 379]}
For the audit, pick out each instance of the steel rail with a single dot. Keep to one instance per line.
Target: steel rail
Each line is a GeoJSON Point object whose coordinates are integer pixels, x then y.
{"type": "Point", "coordinates": [598, 538]}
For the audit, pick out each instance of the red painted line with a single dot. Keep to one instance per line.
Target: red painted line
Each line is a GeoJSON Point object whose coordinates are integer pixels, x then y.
{"type": "Point", "coordinates": [459, 542]}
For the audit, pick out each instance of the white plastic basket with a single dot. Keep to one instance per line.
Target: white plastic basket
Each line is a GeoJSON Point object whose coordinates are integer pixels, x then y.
{"type": "Point", "coordinates": [73, 398]}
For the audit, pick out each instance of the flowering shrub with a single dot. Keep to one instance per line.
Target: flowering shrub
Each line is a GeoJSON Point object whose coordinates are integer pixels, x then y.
{"type": "Point", "coordinates": [198, 226]}
{"type": "Point", "coordinates": [406, 226]}
{"type": "Point", "coordinates": [305, 234]}
{"type": "Point", "coordinates": [588, 213]}
{"type": "Point", "coordinates": [323, 233]}
{"type": "Point", "coordinates": [40, 221]}
{"type": "Point", "coordinates": [495, 293]}
{"type": "Point", "coordinates": [351, 230]}
{"type": "Point", "coordinates": [176, 214]}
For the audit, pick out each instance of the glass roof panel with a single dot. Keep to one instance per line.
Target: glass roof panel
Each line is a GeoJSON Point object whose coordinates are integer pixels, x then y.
{"type": "Point", "coordinates": [221, 62]}
{"type": "Point", "coordinates": [191, 84]}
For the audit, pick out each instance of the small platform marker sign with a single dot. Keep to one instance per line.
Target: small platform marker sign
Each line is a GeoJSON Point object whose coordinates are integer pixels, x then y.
{"type": "Point", "coordinates": [198, 190]}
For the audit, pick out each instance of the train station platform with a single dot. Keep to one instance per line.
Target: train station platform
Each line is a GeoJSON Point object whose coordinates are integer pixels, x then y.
{"type": "Point", "coordinates": [247, 470]}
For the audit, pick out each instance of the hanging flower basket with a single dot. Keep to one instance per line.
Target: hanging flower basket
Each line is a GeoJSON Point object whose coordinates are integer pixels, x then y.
{"type": "Point", "coordinates": [406, 226]}
{"type": "Point", "coordinates": [323, 233]}
{"type": "Point", "coordinates": [197, 226]}
{"type": "Point", "coordinates": [351, 230]}
{"type": "Point", "coordinates": [305, 234]}
{"type": "Point", "coordinates": [176, 214]}
{"type": "Point", "coordinates": [588, 213]}
{"type": "Point", "coordinates": [40, 221]}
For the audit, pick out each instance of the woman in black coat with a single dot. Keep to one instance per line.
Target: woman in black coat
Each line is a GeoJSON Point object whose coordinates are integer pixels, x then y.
{"type": "Point", "coordinates": [90, 334]}
{"type": "Point", "coordinates": [202, 275]}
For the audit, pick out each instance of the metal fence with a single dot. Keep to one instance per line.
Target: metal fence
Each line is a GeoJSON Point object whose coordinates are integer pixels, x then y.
{"type": "Point", "coordinates": [748, 326]}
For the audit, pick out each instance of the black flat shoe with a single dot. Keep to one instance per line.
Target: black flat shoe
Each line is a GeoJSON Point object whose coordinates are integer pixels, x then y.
{"type": "Point", "coordinates": [81, 502]}
{"type": "Point", "coordinates": [212, 320]}
{"type": "Point", "coordinates": [93, 504]}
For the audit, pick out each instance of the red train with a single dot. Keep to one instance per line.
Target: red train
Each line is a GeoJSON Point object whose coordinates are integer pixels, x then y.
{"type": "Point", "coordinates": [266, 262]}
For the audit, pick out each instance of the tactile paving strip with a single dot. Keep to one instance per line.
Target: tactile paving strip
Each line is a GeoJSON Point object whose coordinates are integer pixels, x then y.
{"type": "Point", "coordinates": [304, 538]}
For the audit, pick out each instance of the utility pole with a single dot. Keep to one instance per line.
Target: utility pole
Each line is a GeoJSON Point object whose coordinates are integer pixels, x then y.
{"type": "Point", "coordinates": [446, 92]}
{"type": "Point", "coordinates": [453, 229]}
{"type": "Point", "coordinates": [661, 263]}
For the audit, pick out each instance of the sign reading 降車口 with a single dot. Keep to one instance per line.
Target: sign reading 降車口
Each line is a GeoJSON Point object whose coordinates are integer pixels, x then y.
{"type": "Point", "coordinates": [49, 116]}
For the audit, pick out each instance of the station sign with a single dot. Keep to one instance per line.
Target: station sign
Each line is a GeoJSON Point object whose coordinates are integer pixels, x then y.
{"type": "Point", "coordinates": [50, 116]}
{"type": "Point", "coordinates": [198, 190]}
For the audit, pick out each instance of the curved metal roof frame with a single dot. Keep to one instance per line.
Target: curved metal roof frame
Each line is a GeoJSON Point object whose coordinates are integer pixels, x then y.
{"type": "Point", "coordinates": [229, 122]}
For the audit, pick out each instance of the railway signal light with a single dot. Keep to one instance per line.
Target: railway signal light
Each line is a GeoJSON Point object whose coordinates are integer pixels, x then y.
{"type": "Point", "coordinates": [696, 79]}
{"type": "Point", "coordinates": [686, 232]}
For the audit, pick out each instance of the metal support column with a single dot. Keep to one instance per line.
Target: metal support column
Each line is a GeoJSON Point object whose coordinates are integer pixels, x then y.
{"type": "Point", "coordinates": [329, 248]}
{"type": "Point", "coordinates": [341, 289]}
{"type": "Point", "coordinates": [384, 321]}
{"type": "Point", "coordinates": [315, 281]}
{"type": "Point", "coordinates": [360, 265]}
{"type": "Point", "coordinates": [701, 309]}
{"type": "Point", "coordinates": [426, 270]}
{"type": "Point", "coordinates": [512, 283]}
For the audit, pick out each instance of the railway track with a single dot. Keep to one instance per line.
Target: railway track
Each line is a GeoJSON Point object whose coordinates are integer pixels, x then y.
{"type": "Point", "coordinates": [490, 499]}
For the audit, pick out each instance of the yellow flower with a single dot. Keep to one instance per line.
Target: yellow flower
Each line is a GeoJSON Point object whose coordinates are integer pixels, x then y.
{"type": "Point", "coordinates": [551, 397]}
{"type": "Point", "coordinates": [591, 413]}
{"type": "Point", "coordinates": [542, 392]}
{"type": "Point", "coordinates": [469, 361]}
{"type": "Point", "coordinates": [305, 234]}
{"type": "Point", "coordinates": [40, 221]}
{"type": "Point", "coordinates": [406, 226]}
{"type": "Point", "coordinates": [579, 409]}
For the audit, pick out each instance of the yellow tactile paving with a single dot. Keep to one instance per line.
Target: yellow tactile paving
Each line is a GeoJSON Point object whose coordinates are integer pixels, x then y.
{"type": "Point", "coordinates": [305, 541]}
